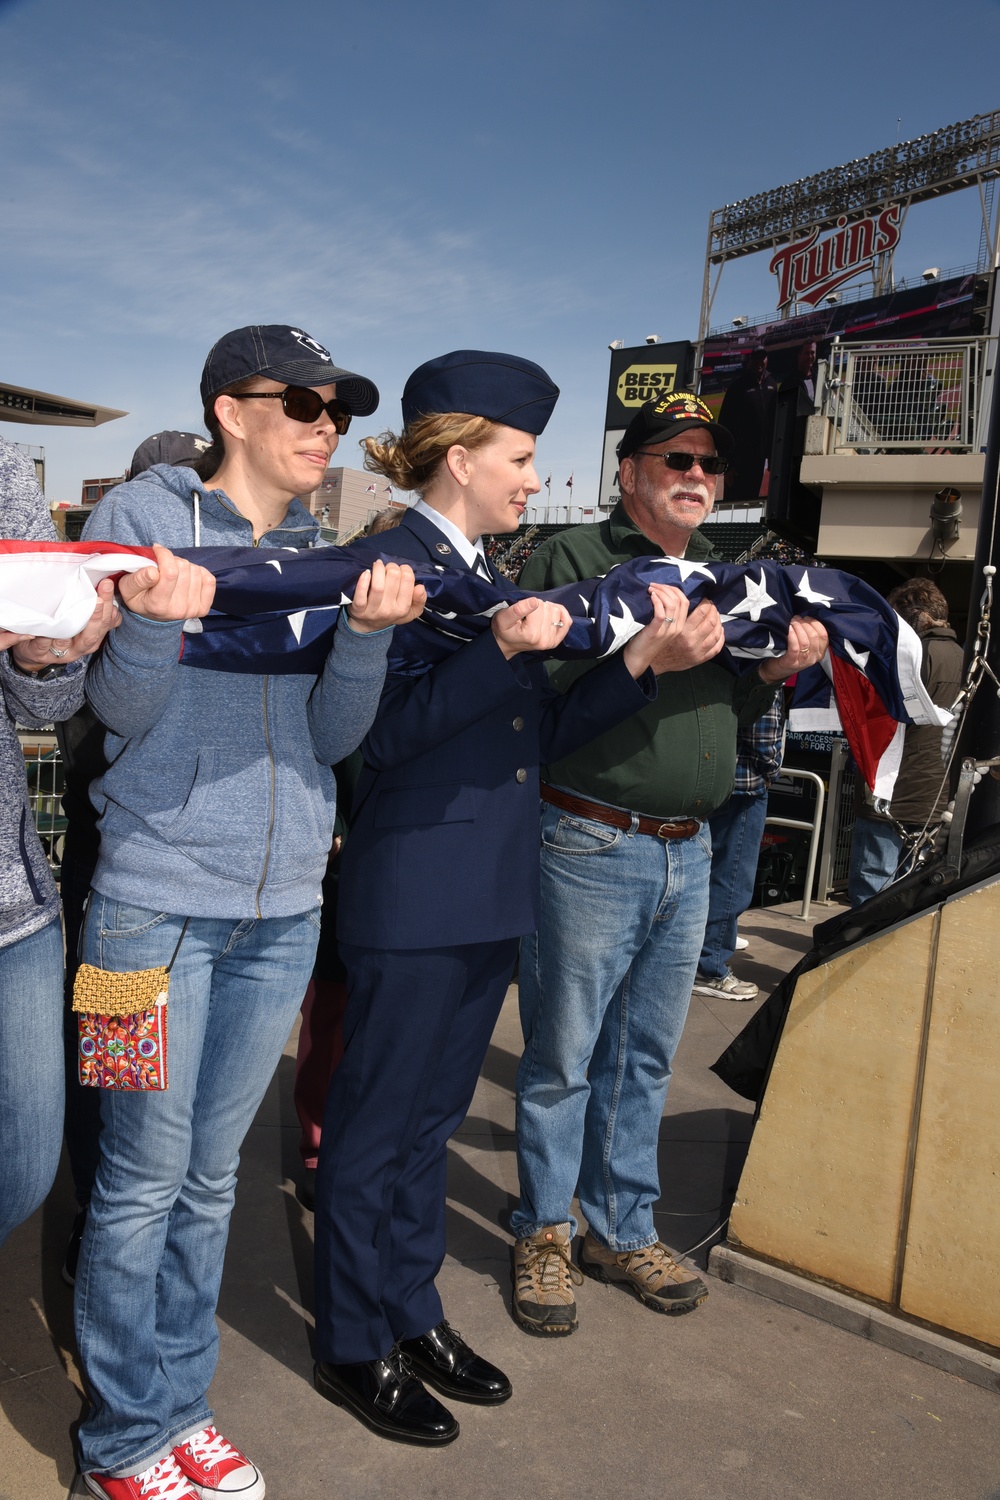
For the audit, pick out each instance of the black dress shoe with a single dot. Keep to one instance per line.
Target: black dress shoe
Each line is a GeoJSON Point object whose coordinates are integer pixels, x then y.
{"type": "Point", "coordinates": [387, 1396]}
{"type": "Point", "coordinates": [445, 1359]}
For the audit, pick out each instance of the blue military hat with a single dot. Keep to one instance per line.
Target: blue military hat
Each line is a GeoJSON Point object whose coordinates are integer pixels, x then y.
{"type": "Point", "coordinates": [502, 387]}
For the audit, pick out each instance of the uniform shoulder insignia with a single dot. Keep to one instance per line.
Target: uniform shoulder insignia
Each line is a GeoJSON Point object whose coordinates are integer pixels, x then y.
{"type": "Point", "coordinates": [443, 548]}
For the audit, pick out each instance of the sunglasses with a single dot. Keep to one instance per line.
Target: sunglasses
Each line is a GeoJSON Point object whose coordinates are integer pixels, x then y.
{"type": "Point", "coordinates": [302, 405]}
{"type": "Point", "coordinates": [709, 463]}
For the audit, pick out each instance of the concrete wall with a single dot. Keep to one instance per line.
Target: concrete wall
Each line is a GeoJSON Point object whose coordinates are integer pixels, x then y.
{"type": "Point", "coordinates": [877, 505]}
{"type": "Point", "coordinates": [875, 1161]}
{"type": "Point", "coordinates": [348, 494]}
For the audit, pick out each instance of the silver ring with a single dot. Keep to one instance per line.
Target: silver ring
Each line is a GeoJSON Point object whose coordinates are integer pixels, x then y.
{"type": "Point", "coordinates": [63, 652]}
{"type": "Point", "coordinates": [668, 619]}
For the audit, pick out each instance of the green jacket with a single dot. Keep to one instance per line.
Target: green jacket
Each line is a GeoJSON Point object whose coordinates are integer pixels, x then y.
{"type": "Point", "coordinates": [676, 757]}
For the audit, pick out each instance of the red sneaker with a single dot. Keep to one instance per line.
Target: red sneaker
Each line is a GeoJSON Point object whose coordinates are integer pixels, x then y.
{"type": "Point", "coordinates": [161, 1481]}
{"type": "Point", "coordinates": [212, 1467]}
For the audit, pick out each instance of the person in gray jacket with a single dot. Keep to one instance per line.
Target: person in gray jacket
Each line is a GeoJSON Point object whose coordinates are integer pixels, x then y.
{"type": "Point", "coordinates": [41, 680]}
{"type": "Point", "coordinates": [216, 819]}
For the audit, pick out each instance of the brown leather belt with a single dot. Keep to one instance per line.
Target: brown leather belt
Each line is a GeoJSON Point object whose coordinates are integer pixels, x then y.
{"type": "Point", "coordinates": [617, 817]}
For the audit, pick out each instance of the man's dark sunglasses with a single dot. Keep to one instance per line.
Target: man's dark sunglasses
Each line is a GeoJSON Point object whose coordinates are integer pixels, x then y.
{"type": "Point", "coordinates": [709, 463]}
{"type": "Point", "coordinates": [302, 405]}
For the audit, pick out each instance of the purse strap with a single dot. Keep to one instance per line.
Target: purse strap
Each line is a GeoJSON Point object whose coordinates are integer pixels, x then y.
{"type": "Point", "coordinates": [179, 941]}
{"type": "Point", "coordinates": [86, 919]}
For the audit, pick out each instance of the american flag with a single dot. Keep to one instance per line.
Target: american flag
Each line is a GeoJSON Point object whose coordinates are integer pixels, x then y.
{"type": "Point", "coordinates": [276, 609]}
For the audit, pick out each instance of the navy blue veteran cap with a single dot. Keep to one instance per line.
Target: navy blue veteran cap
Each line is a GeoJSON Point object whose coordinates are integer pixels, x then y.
{"type": "Point", "coordinates": [502, 387]}
{"type": "Point", "coordinates": [668, 416]}
{"type": "Point", "coordinates": [282, 353]}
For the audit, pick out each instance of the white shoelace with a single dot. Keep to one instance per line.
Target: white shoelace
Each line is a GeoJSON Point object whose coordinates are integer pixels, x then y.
{"type": "Point", "coordinates": [209, 1447]}
{"type": "Point", "coordinates": [164, 1481]}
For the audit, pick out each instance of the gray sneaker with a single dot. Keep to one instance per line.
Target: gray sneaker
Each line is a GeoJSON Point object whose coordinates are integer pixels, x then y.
{"type": "Point", "coordinates": [726, 987]}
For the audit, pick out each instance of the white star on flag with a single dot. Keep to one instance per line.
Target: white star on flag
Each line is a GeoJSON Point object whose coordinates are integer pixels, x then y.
{"type": "Point", "coordinates": [859, 658]}
{"type": "Point", "coordinates": [273, 563]}
{"type": "Point", "coordinates": [685, 569]}
{"type": "Point", "coordinates": [296, 622]}
{"type": "Point", "coordinates": [756, 601]}
{"type": "Point", "coordinates": [755, 652]}
{"type": "Point", "coordinates": [806, 591]}
{"type": "Point", "coordinates": [623, 628]}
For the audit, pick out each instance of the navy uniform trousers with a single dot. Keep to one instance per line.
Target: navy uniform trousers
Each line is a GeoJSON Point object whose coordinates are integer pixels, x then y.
{"type": "Point", "coordinates": [440, 880]}
{"type": "Point", "coordinates": [417, 1028]}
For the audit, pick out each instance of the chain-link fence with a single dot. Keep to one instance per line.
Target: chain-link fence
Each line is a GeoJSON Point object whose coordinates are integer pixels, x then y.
{"type": "Point", "coordinates": [906, 398]}
{"type": "Point", "coordinates": [44, 770]}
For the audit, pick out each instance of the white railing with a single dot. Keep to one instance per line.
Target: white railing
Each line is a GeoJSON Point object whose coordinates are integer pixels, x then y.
{"type": "Point", "coordinates": [813, 828]}
{"type": "Point", "coordinates": [923, 397]}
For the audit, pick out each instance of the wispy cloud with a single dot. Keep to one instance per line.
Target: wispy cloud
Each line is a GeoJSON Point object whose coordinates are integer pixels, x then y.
{"type": "Point", "coordinates": [182, 252]}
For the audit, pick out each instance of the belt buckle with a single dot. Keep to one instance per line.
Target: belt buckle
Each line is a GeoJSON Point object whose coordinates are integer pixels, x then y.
{"type": "Point", "coordinates": [665, 831]}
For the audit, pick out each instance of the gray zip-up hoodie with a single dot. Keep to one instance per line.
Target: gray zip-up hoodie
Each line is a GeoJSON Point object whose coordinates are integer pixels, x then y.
{"type": "Point", "coordinates": [28, 896]}
{"type": "Point", "coordinates": [219, 800]}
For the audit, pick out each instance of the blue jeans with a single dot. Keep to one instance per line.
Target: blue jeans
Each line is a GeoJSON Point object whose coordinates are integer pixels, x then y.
{"type": "Point", "coordinates": [605, 985]}
{"type": "Point", "coordinates": [737, 829]}
{"type": "Point", "coordinates": [31, 1072]}
{"type": "Point", "coordinates": [151, 1259]}
{"type": "Point", "coordinates": [875, 851]}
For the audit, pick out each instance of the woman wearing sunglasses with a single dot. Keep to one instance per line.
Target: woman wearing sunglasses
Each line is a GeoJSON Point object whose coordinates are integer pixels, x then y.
{"type": "Point", "coordinates": [440, 880]}
{"type": "Point", "coordinates": [216, 820]}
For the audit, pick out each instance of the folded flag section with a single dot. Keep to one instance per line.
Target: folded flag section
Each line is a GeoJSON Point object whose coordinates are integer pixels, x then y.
{"type": "Point", "coordinates": [276, 609]}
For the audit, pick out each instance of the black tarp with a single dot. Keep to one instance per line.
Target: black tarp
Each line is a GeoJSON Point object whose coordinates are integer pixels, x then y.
{"type": "Point", "coordinates": [746, 1063]}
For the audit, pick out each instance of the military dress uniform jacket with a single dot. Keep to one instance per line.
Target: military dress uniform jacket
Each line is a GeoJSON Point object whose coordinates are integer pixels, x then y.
{"type": "Point", "coordinates": [444, 840]}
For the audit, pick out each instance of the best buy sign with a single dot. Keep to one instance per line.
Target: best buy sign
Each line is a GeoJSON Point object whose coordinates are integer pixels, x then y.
{"type": "Point", "coordinates": [641, 383]}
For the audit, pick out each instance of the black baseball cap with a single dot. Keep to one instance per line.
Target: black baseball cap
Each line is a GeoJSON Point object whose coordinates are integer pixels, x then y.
{"type": "Point", "coordinates": [287, 354]}
{"type": "Point", "coordinates": [177, 448]}
{"type": "Point", "coordinates": [667, 417]}
{"type": "Point", "coordinates": [503, 387]}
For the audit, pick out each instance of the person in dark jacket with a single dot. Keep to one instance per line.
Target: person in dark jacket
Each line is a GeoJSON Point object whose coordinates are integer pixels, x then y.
{"type": "Point", "coordinates": [747, 412]}
{"type": "Point", "coordinates": [921, 789]}
{"type": "Point", "coordinates": [439, 881]}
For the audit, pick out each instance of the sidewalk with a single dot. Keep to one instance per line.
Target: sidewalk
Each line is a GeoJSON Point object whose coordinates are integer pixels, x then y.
{"type": "Point", "coordinates": [741, 1400]}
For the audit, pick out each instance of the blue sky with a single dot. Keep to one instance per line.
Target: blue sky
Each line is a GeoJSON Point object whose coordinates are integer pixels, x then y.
{"type": "Point", "coordinates": [401, 179]}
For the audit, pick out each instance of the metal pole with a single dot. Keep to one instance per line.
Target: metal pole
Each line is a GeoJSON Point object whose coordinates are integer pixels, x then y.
{"type": "Point", "coordinates": [980, 736]}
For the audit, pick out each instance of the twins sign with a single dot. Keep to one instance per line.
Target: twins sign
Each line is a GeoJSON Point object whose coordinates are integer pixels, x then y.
{"type": "Point", "coordinates": [809, 269]}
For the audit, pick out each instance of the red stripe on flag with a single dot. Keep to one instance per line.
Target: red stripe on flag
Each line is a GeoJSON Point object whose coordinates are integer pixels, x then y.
{"type": "Point", "coordinates": [76, 549]}
{"type": "Point", "coordinates": [866, 721]}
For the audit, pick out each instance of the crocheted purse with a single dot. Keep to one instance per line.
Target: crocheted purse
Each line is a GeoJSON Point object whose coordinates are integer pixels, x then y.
{"type": "Point", "coordinates": [122, 1025]}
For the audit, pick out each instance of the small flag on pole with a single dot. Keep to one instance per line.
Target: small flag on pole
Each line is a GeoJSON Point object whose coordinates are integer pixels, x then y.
{"type": "Point", "coordinates": [548, 484]}
{"type": "Point", "coordinates": [371, 490]}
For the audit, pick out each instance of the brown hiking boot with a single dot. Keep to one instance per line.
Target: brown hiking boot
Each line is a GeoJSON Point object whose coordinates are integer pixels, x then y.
{"type": "Point", "coordinates": [544, 1275]}
{"type": "Point", "coordinates": [651, 1273]}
